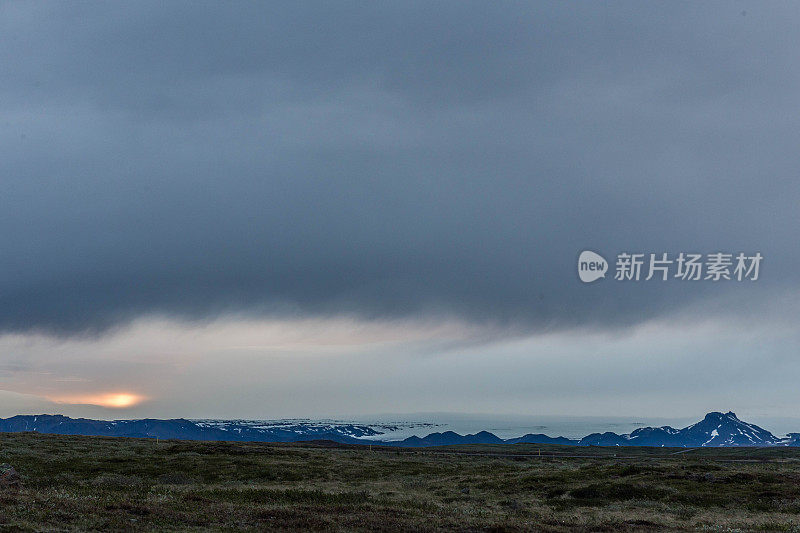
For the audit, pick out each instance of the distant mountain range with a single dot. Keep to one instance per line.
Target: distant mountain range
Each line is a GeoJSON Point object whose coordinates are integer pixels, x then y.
{"type": "Point", "coordinates": [716, 429]}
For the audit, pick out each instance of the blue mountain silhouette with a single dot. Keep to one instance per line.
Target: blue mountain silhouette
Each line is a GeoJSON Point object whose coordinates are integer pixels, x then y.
{"type": "Point", "coordinates": [716, 429]}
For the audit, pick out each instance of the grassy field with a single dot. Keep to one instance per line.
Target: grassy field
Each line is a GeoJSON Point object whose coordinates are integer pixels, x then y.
{"type": "Point", "coordinates": [86, 483]}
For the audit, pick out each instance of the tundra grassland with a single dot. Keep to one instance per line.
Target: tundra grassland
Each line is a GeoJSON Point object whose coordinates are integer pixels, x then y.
{"type": "Point", "coordinates": [71, 483]}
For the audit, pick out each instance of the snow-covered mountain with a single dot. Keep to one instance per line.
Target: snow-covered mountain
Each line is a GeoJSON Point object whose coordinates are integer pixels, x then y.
{"type": "Point", "coordinates": [221, 430]}
{"type": "Point", "coordinates": [716, 429]}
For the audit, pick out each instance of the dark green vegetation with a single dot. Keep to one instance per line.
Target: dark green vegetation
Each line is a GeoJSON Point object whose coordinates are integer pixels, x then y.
{"type": "Point", "coordinates": [84, 483]}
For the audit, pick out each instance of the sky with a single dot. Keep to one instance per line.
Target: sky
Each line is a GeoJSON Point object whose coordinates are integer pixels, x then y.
{"type": "Point", "coordinates": [266, 210]}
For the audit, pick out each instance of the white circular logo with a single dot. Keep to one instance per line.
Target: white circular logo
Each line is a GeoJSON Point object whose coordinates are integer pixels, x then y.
{"type": "Point", "coordinates": [591, 266]}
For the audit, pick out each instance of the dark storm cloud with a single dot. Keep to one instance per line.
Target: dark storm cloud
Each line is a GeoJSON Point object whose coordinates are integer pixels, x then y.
{"type": "Point", "coordinates": [388, 160]}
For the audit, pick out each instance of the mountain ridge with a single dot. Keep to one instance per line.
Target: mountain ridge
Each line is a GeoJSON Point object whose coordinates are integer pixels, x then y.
{"type": "Point", "coordinates": [717, 429]}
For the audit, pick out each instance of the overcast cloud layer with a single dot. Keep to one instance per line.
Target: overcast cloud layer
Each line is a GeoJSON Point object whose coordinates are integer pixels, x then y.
{"type": "Point", "coordinates": [389, 160]}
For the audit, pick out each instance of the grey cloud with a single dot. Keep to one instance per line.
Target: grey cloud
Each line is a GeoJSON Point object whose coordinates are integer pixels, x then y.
{"type": "Point", "coordinates": [387, 160]}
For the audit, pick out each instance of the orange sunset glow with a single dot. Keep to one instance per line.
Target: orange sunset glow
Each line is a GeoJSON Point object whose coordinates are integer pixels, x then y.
{"type": "Point", "coordinates": [119, 400]}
